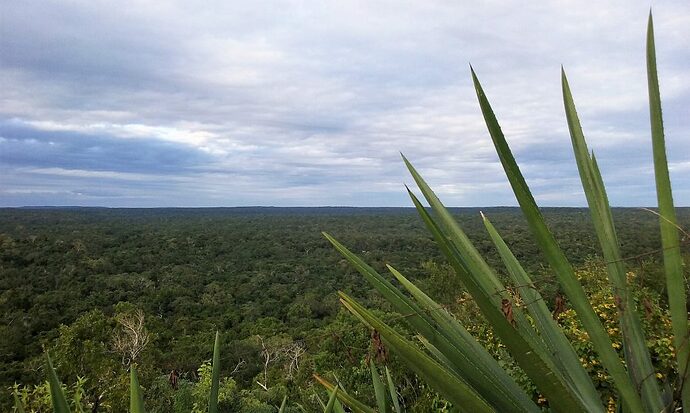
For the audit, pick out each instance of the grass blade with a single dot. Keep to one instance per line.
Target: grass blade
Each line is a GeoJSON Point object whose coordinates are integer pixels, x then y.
{"type": "Point", "coordinates": [57, 396]}
{"type": "Point", "coordinates": [136, 397]}
{"type": "Point", "coordinates": [354, 404]}
{"type": "Point", "coordinates": [670, 241]}
{"type": "Point", "coordinates": [393, 392]}
{"type": "Point", "coordinates": [282, 405]}
{"type": "Point", "coordinates": [379, 389]}
{"type": "Point", "coordinates": [331, 401]}
{"type": "Point", "coordinates": [562, 268]}
{"type": "Point", "coordinates": [215, 377]}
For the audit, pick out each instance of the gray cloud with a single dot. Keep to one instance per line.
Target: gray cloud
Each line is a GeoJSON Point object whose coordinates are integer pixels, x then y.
{"type": "Point", "coordinates": [293, 103]}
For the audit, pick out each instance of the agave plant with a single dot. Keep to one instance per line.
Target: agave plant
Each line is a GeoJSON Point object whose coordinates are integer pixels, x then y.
{"type": "Point", "coordinates": [463, 371]}
{"type": "Point", "coordinates": [386, 396]}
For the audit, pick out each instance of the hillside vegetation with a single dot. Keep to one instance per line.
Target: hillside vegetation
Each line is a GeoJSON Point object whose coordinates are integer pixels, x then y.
{"type": "Point", "coordinates": [76, 281]}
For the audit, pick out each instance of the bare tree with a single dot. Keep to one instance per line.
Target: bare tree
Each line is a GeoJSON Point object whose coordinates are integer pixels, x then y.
{"type": "Point", "coordinates": [238, 367]}
{"type": "Point", "coordinates": [268, 354]}
{"type": "Point", "coordinates": [293, 352]}
{"type": "Point", "coordinates": [132, 337]}
{"type": "Point", "coordinates": [289, 352]}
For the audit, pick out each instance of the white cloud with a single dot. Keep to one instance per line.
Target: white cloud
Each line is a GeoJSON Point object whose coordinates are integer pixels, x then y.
{"type": "Point", "coordinates": [310, 102]}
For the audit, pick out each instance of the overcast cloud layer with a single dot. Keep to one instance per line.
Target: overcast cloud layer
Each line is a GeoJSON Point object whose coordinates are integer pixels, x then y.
{"type": "Point", "coordinates": [301, 103]}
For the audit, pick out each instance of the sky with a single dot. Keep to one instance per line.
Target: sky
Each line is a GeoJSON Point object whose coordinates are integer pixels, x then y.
{"type": "Point", "coordinates": [310, 103]}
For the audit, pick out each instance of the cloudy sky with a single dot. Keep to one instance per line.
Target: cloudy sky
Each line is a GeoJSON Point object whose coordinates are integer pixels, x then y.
{"type": "Point", "coordinates": [232, 103]}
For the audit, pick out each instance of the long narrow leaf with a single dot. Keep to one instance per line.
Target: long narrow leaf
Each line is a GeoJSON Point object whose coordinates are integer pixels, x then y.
{"type": "Point", "coordinates": [379, 389]}
{"type": "Point", "coordinates": [136, 397]}
{"type": "Point", "coordinates": [393, 392]}
{"type": "Point", "coordinates": [639, 362]}
{"type": "Point", "coordinates": [564, 272]}
{"type": "Point", "coordinates": [673, 263]}
{"type": "Point", "coordinates": [471, 361]}
{"type": "Point", "coordinates": [549, 330]}
{"type": "Point", "coordinates": [57, 396]}
{"type": "Point", "coordinates": [398, 300]}
{"type": "Point", "coordinates": [338, 407]}
{"type": "Point", "coordinates": [437, 376]}
{"type": "Point", "coordinates": [282, 405]}
{"type": "Point", "coordinates": [480, 370]}
{"type": "Point", "coordinates": [215, 377]}
{"type": "Point", "coordinates": [354, 404]}
{"type": "Point", "coordinates": [331, 401]}
{"type": "Point", "coordinates": [521, 340]}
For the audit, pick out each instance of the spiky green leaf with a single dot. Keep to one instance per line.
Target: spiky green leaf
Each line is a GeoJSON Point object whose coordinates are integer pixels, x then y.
{"type": "Point", "coordinates": [670, 240]}
{"type": "Point", "coordinates": [379, 389]}
{"type": "Point", "coordinates": [515, 332]}
{"type": "Point", "coordinates": [57, 396]}
{"type": "Point", "coordinates": [215, 376]}
{"type": "Point", "coordinates": [471, 361]}
{"type": "Point", "coordinates": [136, 396]}
{"type": "Point", "coordinates": [331, 401]}
{"type": "Point", "coordinates": [393, 392]}
{"type": "Point", "coordinates": [566, 357]}
{"type": "Point", "coordinates": [440, 378]}
{"type": "Point", "coordinates": [556, 258]}
{"type": "Point", "coordinates": [637, 356]}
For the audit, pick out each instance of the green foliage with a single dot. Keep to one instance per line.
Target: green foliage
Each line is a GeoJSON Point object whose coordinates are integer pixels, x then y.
{"type": "Point", "coordinates": [37, 399]}
{"type": "Point", "coordinates": [226, 391]}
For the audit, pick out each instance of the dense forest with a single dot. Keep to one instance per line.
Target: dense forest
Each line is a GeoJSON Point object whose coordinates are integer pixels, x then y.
{"type": "Point", "coordinates": [101, 289]}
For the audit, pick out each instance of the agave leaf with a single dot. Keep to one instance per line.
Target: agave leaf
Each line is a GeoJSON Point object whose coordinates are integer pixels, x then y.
{"type": "Point", "coordinates": [553, 336]}
{"type": "Point", "coordinates": [379, 389]}
{"type": "Point", "coordinates": [471, 361]}
{"type": "Point", "coordinates": [400, 302]}
{"type": "Point", "coordinates": [564, 271]}
{"type": "Point", "coordinates": [282, 405]}
{"type": "Point", "coordinates": [393, 392]}
{"type": "Point", "coordinates": [136, 397]}
{"type": "Point", "coordinates": [639, 363]}
{"type": "Point", "coordinates": [57, 396]}
{"type": "Point", "coordinates": [477, 367]}
{"type": "Point", "coordinates": [351, 402]}
{"type": "Point", "coordinates": [670, 242]}
{"type": "Point", "coordinates": [215, 377]}
{"type": "Point", "coordinates": [518, 336]}
{"type": "Point", "coordinates": [331, 400]}
{"type": "Point", "coordinates": [440, 357]}
{"type": "Point", "coordinates": [338, 407]}
{"type": "Point", "coordinates": [438, 377]}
